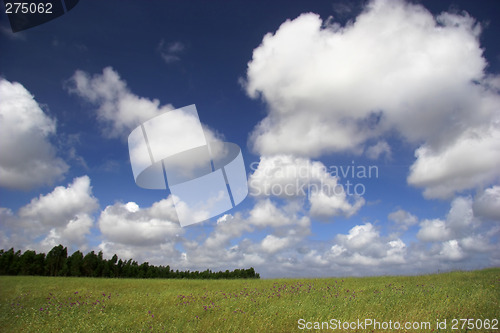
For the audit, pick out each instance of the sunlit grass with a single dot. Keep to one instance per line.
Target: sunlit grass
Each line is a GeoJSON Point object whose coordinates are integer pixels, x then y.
{"type": "Point", "coordinates": [47, 304]}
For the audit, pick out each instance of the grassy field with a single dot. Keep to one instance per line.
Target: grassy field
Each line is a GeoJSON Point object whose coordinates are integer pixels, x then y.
{"type": "Point", "coordinates": [45, 304]}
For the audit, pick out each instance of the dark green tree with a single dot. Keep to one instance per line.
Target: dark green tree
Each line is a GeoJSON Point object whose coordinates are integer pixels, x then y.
{"type": "Point", "coordinates": [55, 260]}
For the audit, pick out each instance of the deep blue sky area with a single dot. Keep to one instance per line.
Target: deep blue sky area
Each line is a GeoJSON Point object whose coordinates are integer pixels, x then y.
{"type": "Point", "coordinates": [396, 85]}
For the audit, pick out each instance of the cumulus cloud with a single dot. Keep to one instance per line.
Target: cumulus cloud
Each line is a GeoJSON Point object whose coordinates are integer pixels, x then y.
{"type": "Point", "coordinates": [229, 245]}
{"type": "Point", "coordinates": [128, 224]}
{"type": "Point", "coordinates": [459, 222]}
{"type": "Point", "coordinates": [459, 236]}
{"type": "Point", "coordinates": [218, 250]}
{"type": "Point", "coordinates": [119, 110]}
{"type": "Point", "coordinates": [459, 240]}
{"type": "Point", "coordinates": [433, 230]}
{"type": "Point", "coordinates": [451, 250]}
{"type": "Point", "coordinates": [62, 204]}
{"type": "Point", "coordinates": [378, 149]}
{"type": "Point", "coordinates": [160, 254]}
{"type": "Point", "coordinates": [286, 176]}
{"type": "Point", "coordinates": [142, 233]}
{"type": "Point", "coordinates": [326, 204]}
{"type": "Point", "coordinates": [63, 216]}
{"type": "Point", "coordinates": [28, 158]}
{"type": "Point", "coordinates": [74, 234]}
{"type": "Point", "coordinates": [396, 67]}
{"type": "Point", "coordinates": [403, 219]}
{"type": "Point", "coordinates": [272, 244]}
{"type": "Point", "coordinates": [265, 213]}
{"type": "Point", "coordinates": [487, 204]}
{"type": "Point", "coordinates": [363, 245]}
{"type": "Point", "coordinates": [471, 160]}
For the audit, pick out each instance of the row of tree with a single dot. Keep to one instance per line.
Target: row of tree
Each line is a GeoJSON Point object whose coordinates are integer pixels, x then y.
{"type": "Point", "coordinates": [57, 263]}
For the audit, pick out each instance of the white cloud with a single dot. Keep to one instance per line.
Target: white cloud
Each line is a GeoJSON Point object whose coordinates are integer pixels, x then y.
{"type": "Point", "coordinates": [218, 250]}
{"type": "Point", "coordinates": [451, 250]}
{"type": "Point", "coordinates": [363, 245]}
{"type": "Point", "coordinates": [62, 205]}
{"type": "Point", "coordinates": [128, 224]}
{"type": "Point", "coordinates": [433, 231]}
{"type": "Point", "coordinates": [159, 254]}
{"type": "Point", "coordinates": [403, 219]}
{"type": "Point", "coordinates": [74, 234]}
{"type": "Point", "coordinates": [287, 176]}
{"type": "Point", "coordinates": [359, 237]}
{"type": "Point", "coordinates": [378, 149]}
{"type": "Point", "coordinates": [396, 67]}
{"type": "Point", "coordinates": [476, 243]}
{"type": "Point", "coordinates": [28, 158]}
{"type": "Point", "coordinates": [326, 204]}
{"type": "Point", "coordinates": [487, 204]}
{"type": "Point", "coordinates": [459, 223]}
{"type": "Point", "coordinates": [460, 218]}
{"type": "Point", "coordinates": [272, 244]}
{"type": "Point", "coordinates": [63, 216]}
{"type": "Point", "coordinates": [266, 214]}
{"type": "Point", "coordinates": [119, 110]}
{"type": "Point", "coordinates": [471, 160]}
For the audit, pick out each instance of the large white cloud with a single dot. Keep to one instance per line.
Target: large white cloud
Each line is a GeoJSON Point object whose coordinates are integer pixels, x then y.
{"type": "Point", "coordinates": [62, 204]}
{"type": "Point", "coordinates": [487, 204]}
{"type": "Point", "coordinates": [363, 245]}
{"type": "Point", "coordinates": [330, 88]}
{"type": "Point", "coordinates": [286, 176]}
{"type": "Point", "coordinates": [73, 234]}
{"type": "Point", "coordinates": [119, 109]}
{"type": "Point", "coordinates": [460, 236]}
{"type": "Point", "coordinates": [128, 224]}
{"type": "Point", "coordinates": [28, 158]}
{"type": "Point", "coordinates": [459, 223]}
{"type": "Point", "coordinates": [142, 233]}
{"type": "Point", "coordinates": [63, 216]}
{"type": "Point", "coordinates": [471, 160]}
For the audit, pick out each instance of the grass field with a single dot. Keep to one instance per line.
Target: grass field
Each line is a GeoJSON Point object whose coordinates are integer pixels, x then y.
{"type": "Point", "coordinates": [45, 304]}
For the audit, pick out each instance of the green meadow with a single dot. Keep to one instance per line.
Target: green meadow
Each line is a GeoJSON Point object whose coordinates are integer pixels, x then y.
{"type": "Point", "coordinates": [62, 304]}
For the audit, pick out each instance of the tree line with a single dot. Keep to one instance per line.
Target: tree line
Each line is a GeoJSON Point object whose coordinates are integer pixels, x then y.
{"type": "Point", "coordinates": [57, 263]}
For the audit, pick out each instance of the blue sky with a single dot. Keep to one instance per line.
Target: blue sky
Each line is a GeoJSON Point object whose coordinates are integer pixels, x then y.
{"type": "Point", "coordinates": [305, 89]}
